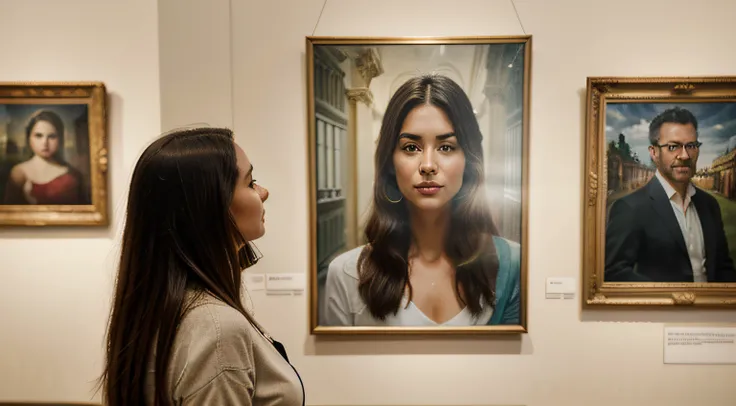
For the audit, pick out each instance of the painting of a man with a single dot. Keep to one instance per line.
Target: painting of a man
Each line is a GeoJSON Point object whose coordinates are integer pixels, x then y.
{"type": "Point", "coordinates": [665, 221]}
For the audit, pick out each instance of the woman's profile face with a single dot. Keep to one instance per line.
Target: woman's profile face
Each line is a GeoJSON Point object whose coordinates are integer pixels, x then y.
{"type": "Point", "coordinates": [248, 197]}
{"type": "Point", "coordinates": [44, 140]}
{"type": "Point", "coordinates": [428, 160]}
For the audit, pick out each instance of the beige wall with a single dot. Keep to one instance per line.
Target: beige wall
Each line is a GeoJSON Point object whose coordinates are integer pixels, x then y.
{"type": "Point", "coordinates": [55, 283]}
{"type": "Point", "coordinates": [58, 281]}
{"type": "Point", "coordinates": [196, 79]}
{"type": "Point", "coordinates": [622, 361]}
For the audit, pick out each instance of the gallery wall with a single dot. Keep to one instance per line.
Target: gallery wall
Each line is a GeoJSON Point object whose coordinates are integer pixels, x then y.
{"type": "Point", "coordinates": [568, 357]}
{"type": "Point", "coordinates": [55, 283]}
{"type": "Point", "coordinates": [242, 64]}
{"type": "Point", "coordinates": [194, 56]}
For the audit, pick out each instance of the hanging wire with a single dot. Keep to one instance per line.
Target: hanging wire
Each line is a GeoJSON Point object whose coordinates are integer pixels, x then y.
{"type": "Point", "coordinates": [319, 18]}
{"type": "Point", "coordinates": [517, 17]}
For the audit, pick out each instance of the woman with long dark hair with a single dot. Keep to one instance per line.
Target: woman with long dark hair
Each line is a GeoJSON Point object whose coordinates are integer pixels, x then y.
{"type": "Point", "coordinates": [433, 255]}
{"type": "Point", "coordinates": [179, 333]}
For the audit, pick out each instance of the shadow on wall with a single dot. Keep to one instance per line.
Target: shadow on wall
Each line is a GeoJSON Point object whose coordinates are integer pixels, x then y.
{"type": "Point", "coordinates": [46, 404]}
{"type": "Point", "coordinates": [391, 344]}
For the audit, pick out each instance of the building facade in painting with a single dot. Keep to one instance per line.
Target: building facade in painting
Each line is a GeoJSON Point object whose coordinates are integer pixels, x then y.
{"type": "Point", "coordinates": [626, 172]}
{"type": "Point", "coordinates": [720, 176]}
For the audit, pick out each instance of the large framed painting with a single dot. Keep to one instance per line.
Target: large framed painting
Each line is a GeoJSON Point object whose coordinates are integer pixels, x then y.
{"type": "Point", "coordinates": [660, 192]}
{"type": "Point", "coordinates": [418, 157]}
{"type": "Point", "coordinates": [53, 154]}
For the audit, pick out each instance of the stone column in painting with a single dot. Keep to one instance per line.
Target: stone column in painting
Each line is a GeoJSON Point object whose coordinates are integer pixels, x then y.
{"type": "Point", "coordinates": [366, 65]}
{"type": "Point", "coordinates": [495, 156]}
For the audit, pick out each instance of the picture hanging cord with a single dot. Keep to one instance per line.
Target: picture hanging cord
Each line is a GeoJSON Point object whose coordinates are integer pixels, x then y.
{"type": "Point", "coordinates": [512, 5]}
{"type": "Point", "coordinates": [319, 18]}
{"type": "Point", "coordinates": [231, 61]}
{"type": "Point", "coordinates": [517, 16]}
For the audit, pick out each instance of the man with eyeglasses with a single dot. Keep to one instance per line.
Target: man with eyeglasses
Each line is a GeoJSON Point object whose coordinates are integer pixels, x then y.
{"type": "Point", "coordinates": [668, 230]}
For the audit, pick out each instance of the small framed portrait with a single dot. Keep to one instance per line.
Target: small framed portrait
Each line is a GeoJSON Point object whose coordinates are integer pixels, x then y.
{"type": "Point", "coordinates": [660, 192]}
{"type": "Point", "coordinates": [418, 184]}
{"type": "Point", "coordinates": [53, 154]}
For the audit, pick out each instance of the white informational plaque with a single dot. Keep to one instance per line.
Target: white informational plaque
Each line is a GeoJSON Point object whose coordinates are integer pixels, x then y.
{"type": "Point", "coordinates": [285, 281]}
{"type": "Point", "coordinates": [560, 288]}
{"type": "Point", "coordinates": [699, 345]}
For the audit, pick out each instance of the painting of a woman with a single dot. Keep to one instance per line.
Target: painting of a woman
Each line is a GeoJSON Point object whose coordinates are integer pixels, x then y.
{"type": "Point", "coordinates": [46, 178]}
{"type": "Point", "coordinates": [433, 255]}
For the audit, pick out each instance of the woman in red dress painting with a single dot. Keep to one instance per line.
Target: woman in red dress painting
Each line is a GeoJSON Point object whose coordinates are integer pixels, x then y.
{"type": "Point", "coordinates": [45, 178]}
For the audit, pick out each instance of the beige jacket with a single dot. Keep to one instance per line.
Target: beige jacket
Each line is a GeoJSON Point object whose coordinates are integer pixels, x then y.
{"type": "Point", "coordinates": [220, 358]}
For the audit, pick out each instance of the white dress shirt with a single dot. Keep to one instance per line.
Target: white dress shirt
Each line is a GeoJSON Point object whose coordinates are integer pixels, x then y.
{"type": "Point", "coordinates": [692, 230]}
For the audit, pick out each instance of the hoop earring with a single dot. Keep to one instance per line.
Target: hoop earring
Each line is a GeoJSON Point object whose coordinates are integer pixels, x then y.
{"type": "Point", "coordinates": [401, 197]}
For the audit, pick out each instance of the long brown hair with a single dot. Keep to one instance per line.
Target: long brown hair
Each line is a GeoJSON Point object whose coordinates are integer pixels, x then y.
{"type": "Point", "coordinates": [179, 235]}
{"type": "Point", "coordinates": [383, 263]}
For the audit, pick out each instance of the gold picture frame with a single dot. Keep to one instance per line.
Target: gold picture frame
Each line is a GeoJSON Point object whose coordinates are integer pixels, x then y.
{"type": "Point", "coordinates": [349, 83]}
{"type": "Point", "coordinates": [53, 154]}
{"type": "Point", "coordinates": [620, 265]}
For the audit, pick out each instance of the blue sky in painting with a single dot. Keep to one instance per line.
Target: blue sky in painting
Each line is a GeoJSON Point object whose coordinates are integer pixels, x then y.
{"type": "Point", "coordinates": [716, 126]}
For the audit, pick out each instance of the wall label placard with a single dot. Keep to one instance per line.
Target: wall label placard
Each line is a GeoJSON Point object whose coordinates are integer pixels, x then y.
{"type": "Point", "coordinates": [280, 282]}
{"type": "Point", "coordinates": [699, 345]}
{"type": "Point", "coordinates": [560, 288]}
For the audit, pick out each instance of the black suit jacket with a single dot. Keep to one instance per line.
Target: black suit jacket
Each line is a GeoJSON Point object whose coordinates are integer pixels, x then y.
{"type": "Point", "coordinates": [644, 242]}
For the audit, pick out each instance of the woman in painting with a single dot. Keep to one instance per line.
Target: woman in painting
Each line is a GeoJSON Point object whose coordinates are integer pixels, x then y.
{"type": "Point", "coordinates": [433, 255]}
{"type": "Point", "coordinates": [45, 178]}
{"type": "Point", "coordinates": [179, 333]}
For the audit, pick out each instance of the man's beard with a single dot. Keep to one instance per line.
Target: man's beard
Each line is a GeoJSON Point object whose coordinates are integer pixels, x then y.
{"type": "Point", "coordinates": [671, 171]}
{"type": "Point", "coordinates": [684, 164]}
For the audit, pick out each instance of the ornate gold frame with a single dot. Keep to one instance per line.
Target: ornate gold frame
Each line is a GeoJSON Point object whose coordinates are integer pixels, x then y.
{"type": "Point", "coordinates": [316, 329]}
{"type": "Point", "coordinates": [599, 92]}
{"type": "Point", "coordinates": [94, 95]}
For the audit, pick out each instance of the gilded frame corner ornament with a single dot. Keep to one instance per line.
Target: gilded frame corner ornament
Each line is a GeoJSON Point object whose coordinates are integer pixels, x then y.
{"type": "Point", "coordinates": [94, 210]}
{"type": "Point", "coordinates": [600, 93]}
{"type": "Point", "coordinates": [368, 66]}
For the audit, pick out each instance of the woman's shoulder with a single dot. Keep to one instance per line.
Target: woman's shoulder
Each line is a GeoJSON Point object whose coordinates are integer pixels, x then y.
{"type": "Point", "coordinates": [212, 340]}
{"type": "Point", "coordinates": [508, 250]}
{"type": "Point", "coordinates": [508, 282]}
{"type": "Point", "coordinates": [213, 336]}
{"type": "Point", "coordinates": [208, 313]}
{"type": "Point", "coordinates": [345, 265]}
{"type": "Point", "coordinates": [509, 260]}
{"type": "Point", "coordinates": [18, 173]}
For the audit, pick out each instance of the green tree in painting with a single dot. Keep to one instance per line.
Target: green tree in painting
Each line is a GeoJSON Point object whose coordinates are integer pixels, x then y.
{"type": "Point", "coordinates": [622, 149]}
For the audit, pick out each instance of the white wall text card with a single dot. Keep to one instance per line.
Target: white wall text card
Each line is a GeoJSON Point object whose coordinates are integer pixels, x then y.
{"type": "Point", "coordinates": [560, 288]}
{"type": "Point", "coordinates": [285, 282]}
{"type": "Point", "coordinates": [699, 345]}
